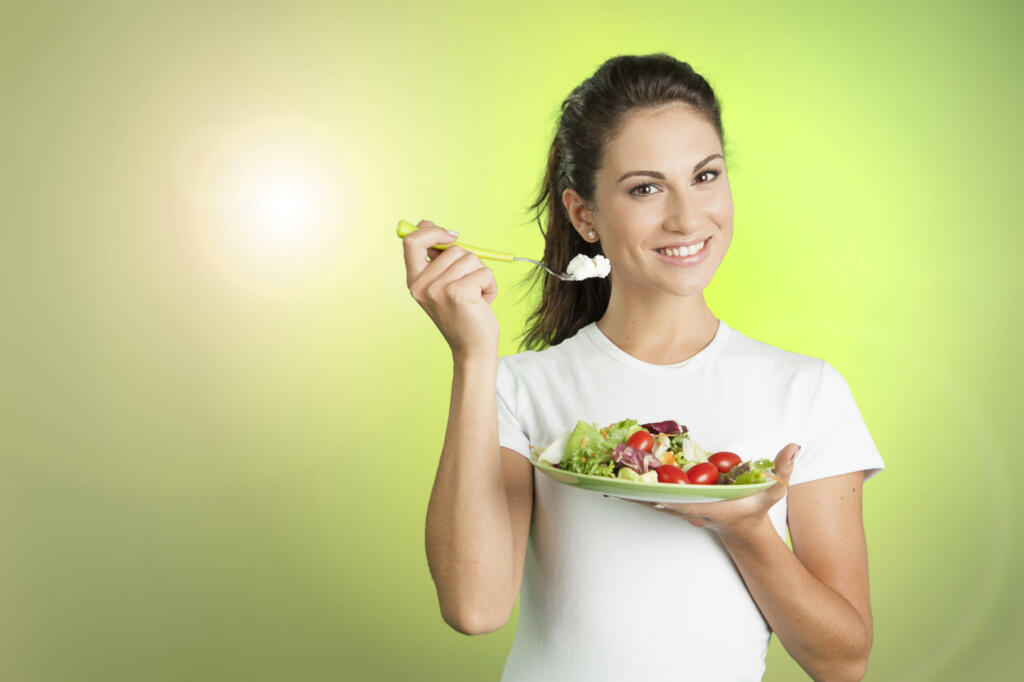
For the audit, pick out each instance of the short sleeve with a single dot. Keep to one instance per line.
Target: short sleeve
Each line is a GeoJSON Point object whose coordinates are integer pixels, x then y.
{"type": "Point", "coordinates": [837, 439]}
{"type": "Point", "coordinates": [511, 433]}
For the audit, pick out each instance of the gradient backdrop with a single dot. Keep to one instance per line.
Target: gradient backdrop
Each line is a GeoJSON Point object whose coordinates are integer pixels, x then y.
{"type": "Point", "coordinates": [222, 411]}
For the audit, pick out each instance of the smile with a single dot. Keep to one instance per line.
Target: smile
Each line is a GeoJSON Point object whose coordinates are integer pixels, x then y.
{"type": "Point", "coordinates": [684, 256]}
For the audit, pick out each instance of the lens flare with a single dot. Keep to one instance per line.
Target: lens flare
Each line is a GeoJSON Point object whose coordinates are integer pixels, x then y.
{"type": "Point", "coordinates": [277, 207]}
{"type": "Point", "coordinates": [267, 199]}
{"type": "Point", "coordinates": [281, 209]}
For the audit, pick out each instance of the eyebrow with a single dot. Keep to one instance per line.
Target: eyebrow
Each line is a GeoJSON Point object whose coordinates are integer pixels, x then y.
{"type": "Point", "coordinates": [661, 176]}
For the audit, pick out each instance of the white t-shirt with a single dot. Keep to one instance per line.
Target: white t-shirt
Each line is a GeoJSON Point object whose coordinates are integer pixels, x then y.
{"type": "Point", "coordinates": [613, 590]}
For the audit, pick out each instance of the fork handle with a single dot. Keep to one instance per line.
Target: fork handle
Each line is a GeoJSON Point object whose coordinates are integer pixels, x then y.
{"type": "Point", "coordinates": [405, 227]}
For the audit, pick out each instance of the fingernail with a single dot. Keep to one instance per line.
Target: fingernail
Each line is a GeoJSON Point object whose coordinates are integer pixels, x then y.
{"type": "Point", "coordinates": [452, 233]}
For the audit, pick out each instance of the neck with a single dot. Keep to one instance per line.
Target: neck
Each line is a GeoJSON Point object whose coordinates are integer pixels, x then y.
{"type": "Point", "coordinates": [661, 330]}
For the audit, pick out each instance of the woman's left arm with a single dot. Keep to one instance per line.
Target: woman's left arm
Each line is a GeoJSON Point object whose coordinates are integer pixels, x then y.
{"type": "Point", "coordinates": [815, 597]}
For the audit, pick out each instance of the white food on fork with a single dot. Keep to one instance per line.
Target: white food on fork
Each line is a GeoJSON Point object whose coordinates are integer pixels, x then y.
{"type": "Point", "coordinates": [584, 267]}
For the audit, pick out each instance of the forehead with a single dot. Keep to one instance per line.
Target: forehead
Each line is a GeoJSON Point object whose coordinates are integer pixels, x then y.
{"type": "Point", "coordinates": [662, 138]}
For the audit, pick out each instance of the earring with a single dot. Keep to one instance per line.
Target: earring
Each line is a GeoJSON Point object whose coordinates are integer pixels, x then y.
{"type": "Point", "coordinates": [591, 234]}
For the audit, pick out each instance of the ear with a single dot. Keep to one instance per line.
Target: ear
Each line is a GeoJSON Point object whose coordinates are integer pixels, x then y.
{"type": "Point", "coordinates": [580, 215]}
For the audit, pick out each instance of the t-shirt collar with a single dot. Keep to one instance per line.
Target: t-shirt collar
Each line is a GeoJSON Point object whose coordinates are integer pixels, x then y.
{"type": "Point", "coordinates": [604, 344]}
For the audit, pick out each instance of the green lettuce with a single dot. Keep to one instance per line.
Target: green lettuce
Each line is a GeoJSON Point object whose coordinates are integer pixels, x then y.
{"type": "Point", "coordinates": [589, 449]}
{"type": "Point", "coordinates": [619, 432]}
{"type": "Point", "coordinates": [630, 475]}
{"type": "Point", "coordinates": [750, 472]}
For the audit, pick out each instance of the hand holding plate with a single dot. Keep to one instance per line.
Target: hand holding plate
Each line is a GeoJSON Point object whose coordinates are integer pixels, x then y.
{"type": "Point", "coordinates": [735, 516]}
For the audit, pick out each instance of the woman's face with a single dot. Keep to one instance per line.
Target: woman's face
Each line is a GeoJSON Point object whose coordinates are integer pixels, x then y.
{"type": "Point", "coordinates": [662, 183]}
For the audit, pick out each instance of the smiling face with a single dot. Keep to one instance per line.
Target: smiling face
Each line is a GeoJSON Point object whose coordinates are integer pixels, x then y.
{"type": "Point", "coordinates": [662, 182]}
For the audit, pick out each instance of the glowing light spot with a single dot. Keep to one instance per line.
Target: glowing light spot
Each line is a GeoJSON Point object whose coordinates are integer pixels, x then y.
{"type": "Point", "coordinates": [268, 202]}
{"type": "Point", "coordinates": [280, 206]}
{"type": "Point", "coordinates": [283, 207]}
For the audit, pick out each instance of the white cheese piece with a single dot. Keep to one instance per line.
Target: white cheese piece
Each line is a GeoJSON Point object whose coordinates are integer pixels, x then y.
{"type": "Point", "coordinates": [584, 267]}
{"type": "Point", "coordinates": [553, 452]}
{"type": "Point", "coordinates": [693, 452]}
{"type": "Point", "coordinates": [662, 446]}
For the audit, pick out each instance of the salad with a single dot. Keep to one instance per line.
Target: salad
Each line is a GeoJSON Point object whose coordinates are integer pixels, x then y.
{"type": "Point", "coordinates": [658, 452]}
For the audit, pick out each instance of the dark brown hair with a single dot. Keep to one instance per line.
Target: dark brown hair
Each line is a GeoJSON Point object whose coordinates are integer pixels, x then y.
{"type": "Point", "coordinates": [591, 115]}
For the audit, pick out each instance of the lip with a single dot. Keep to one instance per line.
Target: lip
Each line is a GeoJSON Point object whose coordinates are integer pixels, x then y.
{"type": "Point", "coordinates": [674, 245]}
{"type": "Point", "coordinates": [685, 261]}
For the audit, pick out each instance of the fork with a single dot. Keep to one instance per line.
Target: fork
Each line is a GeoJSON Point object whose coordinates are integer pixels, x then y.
{"type": "Point", "coordinates": [405, 227]}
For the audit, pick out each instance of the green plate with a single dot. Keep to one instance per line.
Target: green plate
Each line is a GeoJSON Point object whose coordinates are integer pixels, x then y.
{"type": "Point", "coordinates": [651, 492]}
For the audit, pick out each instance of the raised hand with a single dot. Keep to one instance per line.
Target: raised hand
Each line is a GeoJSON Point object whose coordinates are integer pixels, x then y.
{"type": "Point", "coordinates": [454, 288]}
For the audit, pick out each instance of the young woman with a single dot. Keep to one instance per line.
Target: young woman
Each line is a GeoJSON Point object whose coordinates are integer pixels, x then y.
{"type": "Point", "coordinates": [616, 590]}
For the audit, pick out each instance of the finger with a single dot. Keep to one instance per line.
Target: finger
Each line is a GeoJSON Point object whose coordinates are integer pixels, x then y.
{"type": "Point", "coordinates": [416, 243]}
{"type": "Point", "coordinates": [640, 502]}
{"type": "Point", "coordinates": [455, 256]}
{"type": "Point", "coordinates": [419, 245]}
{"type": "Point", "coordinates": [783, 471]}
{"type": "Point", "coordinates": [697, 508]}
{"type": "Point", "coordinates": [784, 462]}
{"type": "Point", "coordinates": [490, 286]}
{"type": "Point", "coordinates": [697, 513]}
{"type": "Point", "coordinates": [436, 269]}
{"type": "Point", "coordinates": [453, 266]}
{"type": "Point", "coordinates": [657, 506]}
{"type": "Point", "coordinates": [476, 284]}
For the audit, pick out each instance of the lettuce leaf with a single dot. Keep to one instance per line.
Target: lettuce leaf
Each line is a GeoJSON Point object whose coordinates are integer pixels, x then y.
{"type": "Point", "coordinates": [749, 472]}
{"type": "Point", "coordinates": [590, 449]}
{"type": "Point", "coordinates": [619, 432]}
{"type": "Point", "coordinates": [639, 461]}
{"type": "Point", "coordinates": [630, 475]}
{"type": "Point", "coordinates": [669, 427]}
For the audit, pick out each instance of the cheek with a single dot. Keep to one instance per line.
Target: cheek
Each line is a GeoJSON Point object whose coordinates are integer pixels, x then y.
{"type": "Point", "coordinates": [725, 237]}
{"type": "Point", "coordinates": [626, 242]}
{"type": "Point", "coordinates": [721, 208]}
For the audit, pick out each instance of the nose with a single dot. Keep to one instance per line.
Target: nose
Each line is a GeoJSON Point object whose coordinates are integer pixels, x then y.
{"type": "Point", "coordinates": [685, 214]}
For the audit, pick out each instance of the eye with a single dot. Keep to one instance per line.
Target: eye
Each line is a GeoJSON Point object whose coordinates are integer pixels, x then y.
{"type": "Point", "coordinates": [714, 175]}
{"type": "Point", "coordinates": [713, 172]}
{"type": "Point", "coordinates": [641, 194]}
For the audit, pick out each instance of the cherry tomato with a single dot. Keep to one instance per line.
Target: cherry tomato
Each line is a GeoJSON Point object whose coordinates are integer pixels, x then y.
{"type": "Point", "coordinates": [641, 440]}
{"type": "Point", "coordinates": [670, 473]}
{"type": "Point", "coordinates": [704, 473]}
{"type": "Point", "coordinates": [724, 461]}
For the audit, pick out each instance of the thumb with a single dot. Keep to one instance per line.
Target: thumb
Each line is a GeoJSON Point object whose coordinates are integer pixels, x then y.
{"type": "Point", "coordinates": [784, 461]}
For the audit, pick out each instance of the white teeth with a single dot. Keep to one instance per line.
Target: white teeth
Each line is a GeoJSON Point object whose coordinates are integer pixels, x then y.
{"type": "Point", "coordinates": [684, 251]}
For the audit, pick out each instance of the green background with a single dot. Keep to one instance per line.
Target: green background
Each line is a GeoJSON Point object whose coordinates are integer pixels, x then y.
{"type": "Point", "coordinates": [216, 449]}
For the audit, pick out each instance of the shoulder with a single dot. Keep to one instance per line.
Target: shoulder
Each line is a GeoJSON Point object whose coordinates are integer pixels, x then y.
{"type": "Point", "coordinates": [550, 360]}
{"type": "Point", "coordinates": [816, 375]}
{"type": "Point", "coordinates": [753, 355]}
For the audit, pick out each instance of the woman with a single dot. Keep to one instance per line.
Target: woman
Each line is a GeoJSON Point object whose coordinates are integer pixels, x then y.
{"type": "Point", "coordinates": [616, 590]}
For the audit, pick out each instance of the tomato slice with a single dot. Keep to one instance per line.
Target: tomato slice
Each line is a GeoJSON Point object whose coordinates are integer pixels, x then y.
{"type": "Point", "coordinates": [704, 473]}
{"type": "Point", "coordinates": [670, 473]}
{"type": "Point", "coordinates": [641, 440]}
{"type": "Point", "coordinates": [724, 461]}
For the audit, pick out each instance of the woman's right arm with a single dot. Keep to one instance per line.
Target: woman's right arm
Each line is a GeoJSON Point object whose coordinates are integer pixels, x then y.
{"type": "Point", "coordinates": [478, 518]}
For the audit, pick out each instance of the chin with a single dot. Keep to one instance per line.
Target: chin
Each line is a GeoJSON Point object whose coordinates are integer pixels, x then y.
{"type": "Point", "coordinates": [679, 288]}
{"type": "Point", "coordinates": [690, 290]}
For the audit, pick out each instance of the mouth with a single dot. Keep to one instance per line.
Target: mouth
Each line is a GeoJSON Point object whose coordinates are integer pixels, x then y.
{"type": "Point", "coordinates": [686, 258]}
